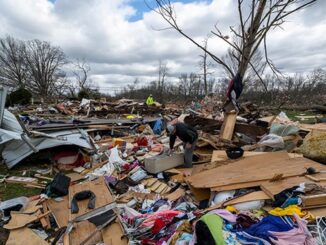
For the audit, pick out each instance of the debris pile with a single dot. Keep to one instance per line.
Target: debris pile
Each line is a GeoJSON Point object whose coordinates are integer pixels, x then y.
{"type": "Point", "coordinates": [116, 181]}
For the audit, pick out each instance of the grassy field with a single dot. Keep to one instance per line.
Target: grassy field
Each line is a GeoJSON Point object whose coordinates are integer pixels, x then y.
{"type": "Point", "coordinates": [10, 190]}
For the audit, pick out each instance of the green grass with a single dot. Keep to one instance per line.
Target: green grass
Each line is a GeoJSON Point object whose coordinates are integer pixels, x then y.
{"type": "Point", "coordinates": [10, 190]}
{"type": "Point", "coordinates": [293, 116]}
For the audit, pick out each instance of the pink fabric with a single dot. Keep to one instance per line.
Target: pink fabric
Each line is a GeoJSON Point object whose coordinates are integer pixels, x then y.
{"type": "Point", "coordinates": [296, 236]}
{"type": "Point", "coordinates": [225, 214]}
{"type": "Point", "coordinates": [164, 216]}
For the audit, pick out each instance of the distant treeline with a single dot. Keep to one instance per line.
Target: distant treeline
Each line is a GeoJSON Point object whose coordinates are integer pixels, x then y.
{"type": "Point", "coordinates": [293, 90]}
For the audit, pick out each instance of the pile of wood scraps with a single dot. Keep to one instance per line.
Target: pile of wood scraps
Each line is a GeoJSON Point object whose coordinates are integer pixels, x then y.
{"type": "Point", "coordinates": [271, 172]}
{"type": "Point", "coordinates": [35, 211]}
{"type": "Point", "coordinates": [156, 186]}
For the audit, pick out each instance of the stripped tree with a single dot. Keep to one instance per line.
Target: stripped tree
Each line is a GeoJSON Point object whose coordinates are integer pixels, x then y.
{"type": "Point", "coordinates": [248, 35]}
{"type": "Point", "coordinates": [45, 63]}
{"type": "Point", "coordinates": [13, 69]}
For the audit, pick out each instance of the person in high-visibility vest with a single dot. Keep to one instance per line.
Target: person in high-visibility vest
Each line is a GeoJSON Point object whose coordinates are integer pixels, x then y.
{"type": "Point", "coordinates": [150, 100]}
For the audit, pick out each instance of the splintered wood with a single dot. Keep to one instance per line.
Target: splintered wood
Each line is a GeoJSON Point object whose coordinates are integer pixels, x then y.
{"type": "Point", "coordinates": [252, 171]}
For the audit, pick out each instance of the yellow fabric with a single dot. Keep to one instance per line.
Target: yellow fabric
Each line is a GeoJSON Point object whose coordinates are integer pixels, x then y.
{"type": "Point", "coordinates": [231, 209]}
{"type": "Point", "coordinates": [130, 117]}
{"type": "Point", "coordinates": [150, 100]}
{"type": "Point", "coordinates": [290, 210]}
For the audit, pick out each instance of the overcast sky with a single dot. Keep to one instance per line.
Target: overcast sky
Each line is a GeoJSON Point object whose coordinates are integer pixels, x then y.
{"type": "Point", "coordinates": [119, 40]}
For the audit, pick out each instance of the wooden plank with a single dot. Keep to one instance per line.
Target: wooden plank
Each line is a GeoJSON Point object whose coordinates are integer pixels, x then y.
{"type": "Point", "coordinates": [200, 194]}
{"type": "Point", "coordinates": [318, 212]}
{"type": "Point", "coordinates": [313, 200]}
{"type": "Point", "coordinates": [75, 176]}
{"type": "Point", "coordinates": [113, 235]}
{"type": "Point", "coordinates": [60, 211]}
{"type": "Point", "coordinates": [273, 188]}
{"type": "Point", "coordinates": [255, 168]}
{"type": "Point", "coordinates": [228, 126]}
{"type": "Point", "coordinates": [176, 194]}
{"type": "Point", "coordinates": [21, 180]}
{"type": "Point", "coordinates": [98, 187]}
{"type": "Point", "coordinates": [24, 236]}
{"type": "Point", "coordinates": [253, 196]}
{"type": "Point", "coordinates": [230, 187]}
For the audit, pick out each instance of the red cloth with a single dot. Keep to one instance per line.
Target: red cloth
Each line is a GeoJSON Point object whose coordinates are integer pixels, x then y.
{"type": "Point", "coordinates": [142, 141]}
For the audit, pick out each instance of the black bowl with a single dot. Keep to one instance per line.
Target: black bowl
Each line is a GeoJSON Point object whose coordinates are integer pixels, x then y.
{"type": "Point", "coordinates": [234, 152]}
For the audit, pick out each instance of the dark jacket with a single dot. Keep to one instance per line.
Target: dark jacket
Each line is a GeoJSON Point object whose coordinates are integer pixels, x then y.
{"type": "Point", "coordinates": [185, 133]}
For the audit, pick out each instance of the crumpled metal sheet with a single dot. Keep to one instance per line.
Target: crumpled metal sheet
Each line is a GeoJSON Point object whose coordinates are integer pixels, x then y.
{"type": "Point", "coordinates": [16, 148]}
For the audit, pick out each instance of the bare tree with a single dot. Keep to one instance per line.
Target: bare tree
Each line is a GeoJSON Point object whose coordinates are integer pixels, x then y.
{"type": "Point", "coordinates": [44, 66]}
{"type": "Point", "coordinates": [205, 66]}
{"type": "Point", "coordinates": [255, 21]}
{"type": "Point", "coordinates": [13, 70]}
{"type": "Point", "coordinates": [162, 73]}
{"type": "Point", "coordinates": [82, 69]}
{"type": "Point", "coordinates": [232, 60]}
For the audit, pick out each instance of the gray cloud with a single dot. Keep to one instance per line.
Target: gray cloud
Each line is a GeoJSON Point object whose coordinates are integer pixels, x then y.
{"type": "Point", "coordinates": [120, 51]}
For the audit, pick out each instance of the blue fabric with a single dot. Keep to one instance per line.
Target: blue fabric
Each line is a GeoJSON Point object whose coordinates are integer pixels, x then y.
{"type": "Point", "coordinates": [157, 129]}
{"type": "Point", "coordinates": [268, 224]}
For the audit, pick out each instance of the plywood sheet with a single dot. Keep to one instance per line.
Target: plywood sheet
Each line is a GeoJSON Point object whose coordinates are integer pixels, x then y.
{"type": "Point", "coordinates": [253, 196]}
{"type": "Point", "coordinates": [98, 187]}
{"type": "Point", "coordinates": [252, 169]}
{"type": "Point", "coordinates": [112, 235]}
{"type": "Point", "coordinates": [24, 236]}
{"type": "Point", "coordinates": [19, 220]}
{"type": "Point", "coordinates": [176, 194]}
{"type": "Point", "coordinates": [60, 210]}
{"type": "Point", "coordinates": [31, 207]}
{"type": "Point", "coordinates": [81, 231]}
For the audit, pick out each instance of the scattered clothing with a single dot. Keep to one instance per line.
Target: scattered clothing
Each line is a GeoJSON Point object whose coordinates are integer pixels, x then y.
{"type": "Point", "coordinates": [296, 236]}
{"type": "Point", "coordinates": [290, 210]}
{"type": "Point", "coordinates": [268, 224]}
